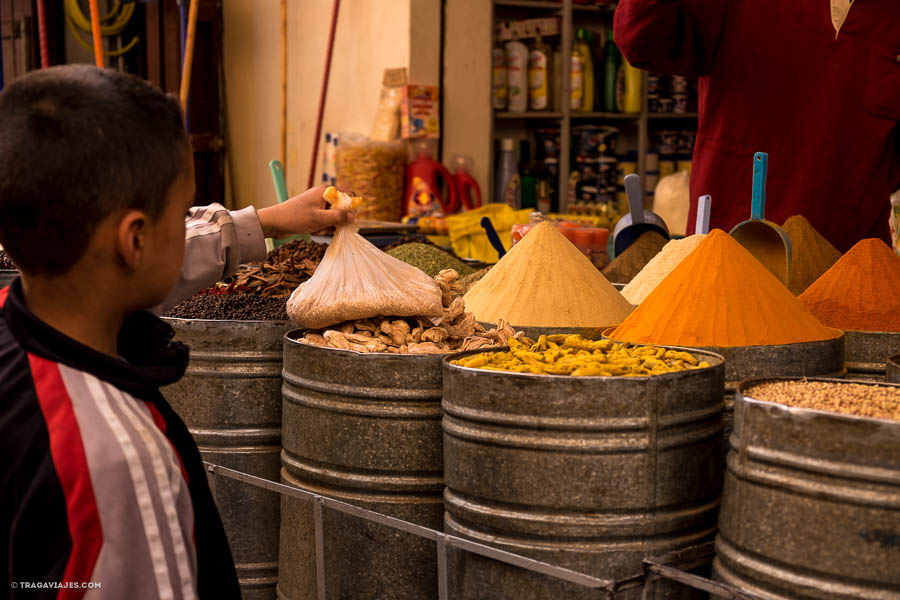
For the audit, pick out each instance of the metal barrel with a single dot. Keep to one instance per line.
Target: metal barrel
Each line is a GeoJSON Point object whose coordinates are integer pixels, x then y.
{"type": "Point", "coordinates": [364, 429]}
{"type": "Point", "coordinates": [590, 473]}
{"type": "Point", "coordinates": [811, 505]}
{"type": "Point", "coordinates": [813, 359]}
{"type": "Point", "coordinates": [230, 399]}
{"type": "Point", "coordinates": [7, 276]}
{"type": "Point", "coordinates": [892, 370]}
{"type": "Point", "coordinates": [866, 352]}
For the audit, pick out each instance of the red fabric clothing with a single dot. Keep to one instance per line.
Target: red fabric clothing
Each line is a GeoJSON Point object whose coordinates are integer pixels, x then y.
{"type": "Point", "coordinates": [774, 77]}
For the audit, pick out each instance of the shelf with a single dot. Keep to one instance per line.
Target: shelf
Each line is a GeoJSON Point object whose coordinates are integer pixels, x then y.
{"type": "Point", "coordinates": [594, 8]}
{"type": "Point", "coordinates": [606, 116]}
{"type": "Point", "coordinates": [528, 115]}
{"type": "Point", "coordinates": [529, 4]}
{"type": "Point", "coordinates": [661, 116]}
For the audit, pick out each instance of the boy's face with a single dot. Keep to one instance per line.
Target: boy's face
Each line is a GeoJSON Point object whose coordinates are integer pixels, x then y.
{"type": "Point", "coordinates": [165, 239]}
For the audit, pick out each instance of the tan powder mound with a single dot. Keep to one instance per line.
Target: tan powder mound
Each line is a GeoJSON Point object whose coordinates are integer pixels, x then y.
{"type": "Point", "coordinates": [545, 281]}
{"type": "Point", "coordinates": [861, 291]}
{"type": "Point", "coordinates": [720, 295]}
{"type": "Point", "coordinates": [659, 268]}
{"type": "Point", "coordinates": [811, 254]}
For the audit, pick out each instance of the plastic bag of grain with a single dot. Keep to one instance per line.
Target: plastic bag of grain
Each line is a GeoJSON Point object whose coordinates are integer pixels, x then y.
{"type": "Point", "coordinates": [374, 171]}
{"type": "Point", "coordinates": [356, 280]}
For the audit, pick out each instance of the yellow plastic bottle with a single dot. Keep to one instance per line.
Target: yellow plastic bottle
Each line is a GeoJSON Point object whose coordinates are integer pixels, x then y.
{"type": "Point", "coordinates": [634, 83]}
{"type": "Point", "coordinates": [582, 44]}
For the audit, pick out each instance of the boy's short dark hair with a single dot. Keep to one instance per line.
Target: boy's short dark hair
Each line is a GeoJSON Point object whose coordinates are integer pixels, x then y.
{"type": "Point", "coordinates": [77, 144]}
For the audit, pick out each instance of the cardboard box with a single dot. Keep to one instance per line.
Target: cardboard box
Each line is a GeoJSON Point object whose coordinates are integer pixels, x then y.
{"type": "Point", "coordinates": [419, 112]}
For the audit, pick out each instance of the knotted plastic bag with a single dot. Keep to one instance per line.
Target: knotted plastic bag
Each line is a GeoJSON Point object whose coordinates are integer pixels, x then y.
{"type": "Point", "coordinates": [356, 280]}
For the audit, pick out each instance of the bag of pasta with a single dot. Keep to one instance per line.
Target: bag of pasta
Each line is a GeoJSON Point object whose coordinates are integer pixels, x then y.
{"type": "Point", "coordinates": [356, 280]}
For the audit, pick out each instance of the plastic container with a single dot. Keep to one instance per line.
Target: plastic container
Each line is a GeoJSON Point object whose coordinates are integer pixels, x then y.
{"type": "Point", "coordinates": [499, 85]}
{"type": "Point", "coordinates": [540, 76]}
{"type": "Point", "coordinates": [423, 194]}
{"type": "Point", "coordinates": [633, 88]}
{"type": "Point", "coordinates": [467, 189]}
{"type": "Point", "coordinates": [576, 78]}
{"type": "Point", "coordinates": [517, 76]}
{"type": "Point", "coordinates": [374, 171]}
{"type": "Point", "coordinates": [507, 175]}
{"type": "Point", "coordinates": [611, 60]}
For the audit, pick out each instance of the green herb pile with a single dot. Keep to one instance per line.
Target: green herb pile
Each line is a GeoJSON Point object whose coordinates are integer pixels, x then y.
{"type": "Point", "coordinates": [430, 259]}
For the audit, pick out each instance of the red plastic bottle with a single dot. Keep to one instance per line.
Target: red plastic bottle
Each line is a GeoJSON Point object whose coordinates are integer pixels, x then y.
{"type": "Point", "coordinates": [423, 195]}
{"type": "Point", "coordinates": [466, 187]}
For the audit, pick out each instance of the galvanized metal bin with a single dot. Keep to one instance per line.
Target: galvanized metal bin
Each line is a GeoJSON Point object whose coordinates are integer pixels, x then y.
{"type": "Point", "coordinates": [866, 352]}
{"type": "Point", "coordinates": [7, 276]}
{"type": "Point", "coordinates": [811, 505]}
{"type": "Point", "coordinates": [809, 359]}
{"type": "Point", "coordinates": [230, 399]}
{"type": "Point", "coordinates": [365, 429]}
{"type": "Point", "coordinates": [589, 473]}
{"type": "Point", "coordinates": [892, 370]}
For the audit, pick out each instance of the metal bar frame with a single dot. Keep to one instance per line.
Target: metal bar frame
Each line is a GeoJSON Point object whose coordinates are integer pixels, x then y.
{"type": "Point", "coordinates": [654, 568]}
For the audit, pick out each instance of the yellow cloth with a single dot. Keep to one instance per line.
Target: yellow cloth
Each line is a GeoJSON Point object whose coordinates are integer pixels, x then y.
{"type": "Point", "coordinates": [469, 239]}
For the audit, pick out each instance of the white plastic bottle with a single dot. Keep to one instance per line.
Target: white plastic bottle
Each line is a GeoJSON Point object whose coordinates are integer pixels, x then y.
{"type": "Point", "coordinates": [500, 89]}
{"type": "Point", "coordinates": [505, 180]}
{"type": "Point", "coordinates": [517, 76]}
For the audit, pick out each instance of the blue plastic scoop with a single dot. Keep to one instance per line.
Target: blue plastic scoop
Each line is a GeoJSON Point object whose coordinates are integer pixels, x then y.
{"type": "Point", "coordinates": [764, 239]}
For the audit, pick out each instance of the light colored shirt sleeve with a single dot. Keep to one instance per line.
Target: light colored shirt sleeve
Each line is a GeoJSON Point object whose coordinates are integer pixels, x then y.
{"type": "Point", "coordinates": [217, 242]}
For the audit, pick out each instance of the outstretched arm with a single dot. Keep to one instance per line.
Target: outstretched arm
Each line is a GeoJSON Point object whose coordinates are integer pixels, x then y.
{"type": "Point", "coordinates": [218, 241]}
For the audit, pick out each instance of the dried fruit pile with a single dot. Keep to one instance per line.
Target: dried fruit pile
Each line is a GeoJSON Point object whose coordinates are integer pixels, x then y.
{"type": "Point", "coordinates": [284, 269]}
{"type": "Point", "coordinates": [455, 330]}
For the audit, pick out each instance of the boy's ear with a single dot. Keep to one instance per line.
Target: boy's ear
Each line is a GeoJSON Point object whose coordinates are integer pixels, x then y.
{"type": "Point", "coordinates": [131, 238]}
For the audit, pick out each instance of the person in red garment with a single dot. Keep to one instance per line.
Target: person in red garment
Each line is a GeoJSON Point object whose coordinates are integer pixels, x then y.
{"type": "Point", "coordinates": [815, 83]}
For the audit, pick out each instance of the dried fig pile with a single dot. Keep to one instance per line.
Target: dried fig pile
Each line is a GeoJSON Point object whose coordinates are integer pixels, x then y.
{"type": "Point", "coordinates": [456, 330]}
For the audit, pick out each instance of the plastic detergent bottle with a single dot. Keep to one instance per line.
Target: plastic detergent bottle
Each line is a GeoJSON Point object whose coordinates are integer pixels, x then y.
{"type": "Point", "coordinates": [499, 89]}
{"type": "Point", "coordinates": [630, 82]}
{"type": "Point", "coordinates": [466, 187]}
{"type": "Point", "coordinates": [584, 48]}
{"type": "Point", "coordinates": [611, 59]}
{"type": "Point", "coordinates": [540, 62]}
{"type": "Point", "coordinates": [423, 195]}
{"type": "Point", "coordinates": [507, 177]}
{"type": "Point", "coordinates": [576, 79]}
{"type": "Point", "coordinates": [517, 76]}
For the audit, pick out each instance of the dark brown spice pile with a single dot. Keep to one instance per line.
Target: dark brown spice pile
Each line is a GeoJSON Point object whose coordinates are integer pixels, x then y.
{"type": "Point", "coordinates": [624, 267]}
{"type": "Point", "coordinates": [284, 269]}
{"type": "Point", "coordinates": [6, 262]}
{"type": "Point", "coordinates": [236, 307]}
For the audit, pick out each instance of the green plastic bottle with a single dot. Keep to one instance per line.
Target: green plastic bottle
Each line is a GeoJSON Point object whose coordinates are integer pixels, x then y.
{"type": "Point", "coordinates": [582, 50]}
{"type": "Point", "coordinates": [611, 60]}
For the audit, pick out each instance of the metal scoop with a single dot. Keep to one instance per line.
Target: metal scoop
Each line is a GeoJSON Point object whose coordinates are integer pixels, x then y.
{"type": "Point", "coordinates": [765, 240]}
{"type": "Point", "coordinates": [638, 221]}
{"type": "Point", "coordinates": [703, 207]}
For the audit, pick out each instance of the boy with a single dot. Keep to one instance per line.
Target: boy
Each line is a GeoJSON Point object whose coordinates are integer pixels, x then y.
{"type": "Point", "coordinates": [102, 488]}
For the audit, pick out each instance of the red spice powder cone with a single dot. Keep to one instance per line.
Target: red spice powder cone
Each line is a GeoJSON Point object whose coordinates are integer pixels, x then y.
{"type": "Point", "coordinates": [861, 291]}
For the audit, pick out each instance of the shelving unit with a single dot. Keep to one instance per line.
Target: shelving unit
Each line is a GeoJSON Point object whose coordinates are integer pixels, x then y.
{"type": "Point", "coordinates": [638, 125]}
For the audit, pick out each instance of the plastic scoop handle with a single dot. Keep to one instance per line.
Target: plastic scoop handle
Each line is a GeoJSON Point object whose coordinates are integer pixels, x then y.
{"type": "Point", "coordinates": [277, 170]}
{"type": "Point", "coordinates": [635, 198]}
{"type": "Point", "coordinates": [760, 173]}
{"type": "Point", "coordinates": [703, 205]}
{"type": "Point", "coordinates": [492, 236]}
